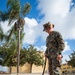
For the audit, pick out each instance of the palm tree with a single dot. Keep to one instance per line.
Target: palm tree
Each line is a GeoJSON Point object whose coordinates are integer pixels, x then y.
{"type": "Point", "coordinates": [15, 14]}
{"type": "Point", "coordinates": [71, 62]}
{"type": "Point", "coordinates": [33, 57]}
{"type": "Point", "coordinates": [2, 54]}
{"type": "Point", "coordinates": [2, 35]}
{"type": "Point", "coordinates": [7, 54]}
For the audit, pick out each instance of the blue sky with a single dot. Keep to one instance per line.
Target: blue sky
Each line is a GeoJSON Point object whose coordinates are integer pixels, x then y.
{"type": "Point", "coordinates": [59, 12]}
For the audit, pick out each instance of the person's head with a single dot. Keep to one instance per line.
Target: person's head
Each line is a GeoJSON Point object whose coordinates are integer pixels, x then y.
{"type": "Point", "coordinates": [48, 27]}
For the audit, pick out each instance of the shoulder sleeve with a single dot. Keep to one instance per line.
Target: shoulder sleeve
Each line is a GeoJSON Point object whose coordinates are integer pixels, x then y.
{"type": "Point", "coordinates": [60, 41]}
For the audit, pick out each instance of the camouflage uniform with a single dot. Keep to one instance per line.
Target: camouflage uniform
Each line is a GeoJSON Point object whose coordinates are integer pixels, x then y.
{"type": "Point", "coordinates": [55, 45]}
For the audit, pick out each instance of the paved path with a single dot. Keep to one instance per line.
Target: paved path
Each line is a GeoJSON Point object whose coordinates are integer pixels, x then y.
{"type": "Point", "coordinates": [24, 74]}
{"type": "Point", "coordinates": [33, 74]}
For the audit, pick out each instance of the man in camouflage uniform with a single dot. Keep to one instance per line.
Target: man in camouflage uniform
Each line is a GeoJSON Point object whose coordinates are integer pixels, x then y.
{"type": "Point", "coordinates": [55, 45]}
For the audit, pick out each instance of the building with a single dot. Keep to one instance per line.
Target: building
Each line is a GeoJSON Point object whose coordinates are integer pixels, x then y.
{"type": "Point", "coordinates": [26, 67]}
{"type": "Point", "coordinates": [65, 68]}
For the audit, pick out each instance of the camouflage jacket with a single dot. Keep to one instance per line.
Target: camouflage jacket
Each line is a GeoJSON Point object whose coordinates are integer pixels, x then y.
{"type": "Point", "coordinates": [54, 43]}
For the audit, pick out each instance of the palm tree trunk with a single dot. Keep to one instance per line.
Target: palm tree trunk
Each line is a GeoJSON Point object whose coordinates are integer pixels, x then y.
{"type": "Point", "coordinates": [10, 69]}
{"type": "Point", "coordinates": [30, 68]}
{"type": "Point", "coordinates": [18, 57]}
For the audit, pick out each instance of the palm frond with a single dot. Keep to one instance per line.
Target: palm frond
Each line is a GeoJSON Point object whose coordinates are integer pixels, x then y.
{"type": "Point", "coordinates": [26, 9]}
{"type": "Point", "coordinates": [0, 14]}
{"type": "Point", "coordinates": [4, 15]}
{"type": "Point", "coordinates": [10, 33]}
{"type": "Point", "coordinates": [1, 33]}
{"type": "Point", "coordinates": [8, 3]}
{"type": "Point", "coordinates": [13, 3]}
{"type": "Point", "coordinates": [15, 10]}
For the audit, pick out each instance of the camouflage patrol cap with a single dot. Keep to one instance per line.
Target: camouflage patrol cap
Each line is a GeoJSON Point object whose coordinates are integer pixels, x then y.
{"type": "Point", "coordinates": [46, 26]}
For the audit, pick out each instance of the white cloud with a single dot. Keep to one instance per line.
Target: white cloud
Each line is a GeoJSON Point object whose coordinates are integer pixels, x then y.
{"type": "Point", "coordinates": [5, 26]}
{"type": "Point", "coordinates": [1, 68]}
{"type": "Point", "coordinates": [67, 47]}
{"type": "Point", "coordinates": [4, 68]}
{"type": "Point", "coordinates": [53, 7]}
{"type": "Point", "coordinates": [31, 22]}
{"type": "Point", "coordinates": [65, 57]}
{"type": "Point", "coordinates": [30, 31]}
{"type": "Point", "coordinates": [41, 48]}
{"type": "Point", "coordinates": [57, 12]}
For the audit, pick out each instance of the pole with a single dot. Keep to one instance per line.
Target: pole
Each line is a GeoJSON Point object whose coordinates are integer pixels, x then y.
{"type": "Point", "coordinates": [18, 56]}
{"type": "Point", "coordinates": [44, 66]}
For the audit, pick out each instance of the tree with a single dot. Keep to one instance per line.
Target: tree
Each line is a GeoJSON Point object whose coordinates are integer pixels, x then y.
{"type": "Point", "coordinates": [72, 59]}
{"type": "Point", "coordinates": [33, 57]}
{"type": "Point", "coordinates": [15, 14]}
{"type": "Point", "coordinates": [8, 56]}
{"type": "Point", "coordinates": [2, 35]}
{"type": "Point", "coordinates": [2, 54]}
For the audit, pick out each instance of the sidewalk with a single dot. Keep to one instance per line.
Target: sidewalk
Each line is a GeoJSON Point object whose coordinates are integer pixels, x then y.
{"type": "Point", "coordinates": [34, 74]}
{"type": "Point", "coordinates": [26, 74]}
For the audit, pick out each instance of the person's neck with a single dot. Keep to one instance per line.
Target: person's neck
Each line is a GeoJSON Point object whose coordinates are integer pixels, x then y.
{"type": "Point", "coordinates": [51, 31]}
